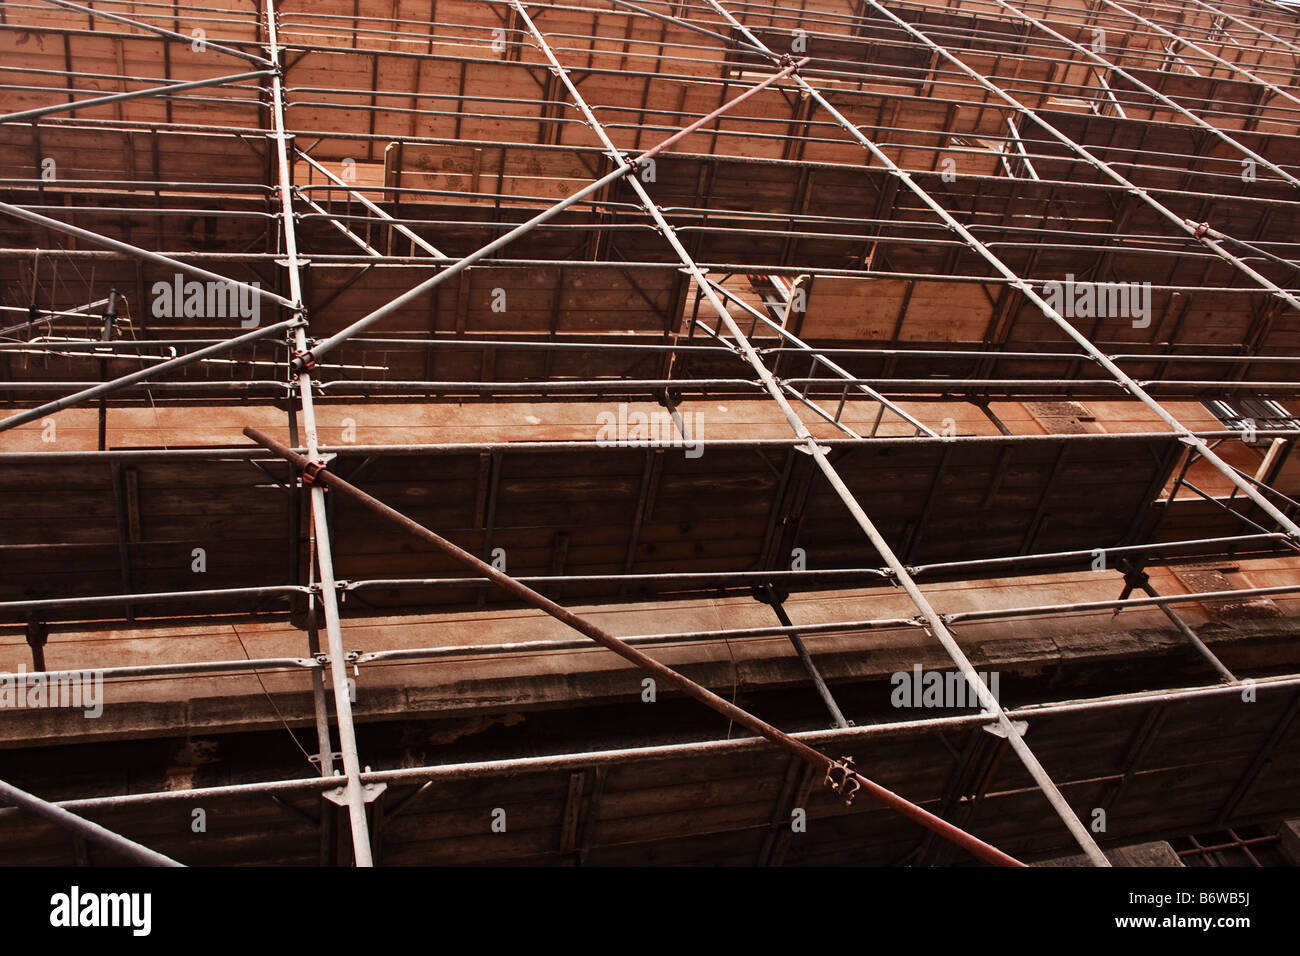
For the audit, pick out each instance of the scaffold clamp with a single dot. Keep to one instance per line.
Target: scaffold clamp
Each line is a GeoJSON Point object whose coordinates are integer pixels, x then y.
{"type": "Point", "coordinates": [303, 361]}
{"type": "Point", "coordinates": [1200, 230]}
{"type": "Point", "coordinates": [843, 779]}
{"type": "Point", "coordinates": [630, 161]}
{"type": "Point", "coordinates": [1134, 579]}
{"type": "Point", "coordinates": [311, 472]}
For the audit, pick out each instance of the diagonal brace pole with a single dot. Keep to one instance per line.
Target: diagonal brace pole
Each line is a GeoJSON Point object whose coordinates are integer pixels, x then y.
{"type": "Point", "coordinates": [664, 673]}
{"type": "Point", "coordinates": [373, 207]}
{"type": "Point", "coordinates": [152, 371]}
{"type": "Point", "coordinates": [133, 95]}
{"type": "Point", "coordinates": [158, 31]}
{"type": "Point", "coordinates": [136, 852]}
{"type": "Point", "coordinates": [35, 218]}
{"type": "Point", "coordinates": [935, 624]}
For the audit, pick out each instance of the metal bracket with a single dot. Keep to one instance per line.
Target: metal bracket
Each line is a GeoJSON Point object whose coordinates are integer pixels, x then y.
{"type": "Point", "coordinates": [1019, 726]}
{"type": "Point", "coordinates": [816, 451]}
{"type": "Point", "coordinates": [369, 793]}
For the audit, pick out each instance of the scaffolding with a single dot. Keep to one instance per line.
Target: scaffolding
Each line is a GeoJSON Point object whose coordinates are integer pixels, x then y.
{"type": "Point", "coordinates": [862, 218]}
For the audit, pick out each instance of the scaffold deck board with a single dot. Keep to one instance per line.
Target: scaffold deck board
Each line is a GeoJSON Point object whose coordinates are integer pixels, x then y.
{"type": "Point", "coordinates": [577, 510]}
{"type": "Point", "coordinates": [693, 809]}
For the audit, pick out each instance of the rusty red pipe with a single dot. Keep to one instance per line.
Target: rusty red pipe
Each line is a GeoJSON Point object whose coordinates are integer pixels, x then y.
{"type": "Point", "coordinates": [666, 674]}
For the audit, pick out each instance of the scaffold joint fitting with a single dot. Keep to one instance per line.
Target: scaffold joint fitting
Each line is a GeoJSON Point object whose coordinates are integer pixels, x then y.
{"type": "Point", "coordinates": [311, 472]}
{"type": "Point", "coordinates": [843, 779]}
{"type": "Point", "coordinates": [303, 361]}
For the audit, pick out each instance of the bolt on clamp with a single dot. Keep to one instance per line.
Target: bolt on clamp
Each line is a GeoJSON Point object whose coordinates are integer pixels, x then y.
{"type": "Point", "coordinates": [311, 472]}
{"type": "Point", "coordinates": [302, 361]}
{"type": "Point", "coordinates": [842, 778]}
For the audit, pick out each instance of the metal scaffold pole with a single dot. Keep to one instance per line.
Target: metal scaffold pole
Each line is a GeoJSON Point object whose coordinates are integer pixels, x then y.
{"type": "Point", "coordinates": [353, 789]}
{"type": "Point", "coordinates": [819, 453]}
{"type": "Point", "coordinates": [129, 849]}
